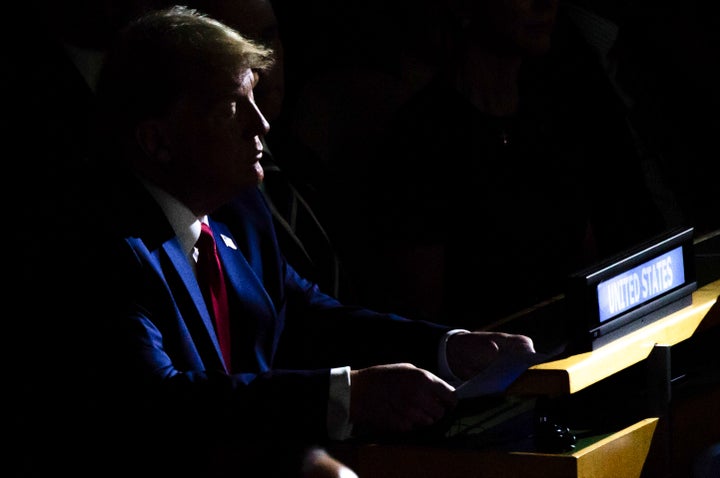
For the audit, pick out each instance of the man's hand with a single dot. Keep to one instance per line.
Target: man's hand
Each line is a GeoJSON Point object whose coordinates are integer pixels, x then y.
{"type": "Point", "coordinates": [397, 398]}
{"type": "Point", "coordinates": [468, 353]}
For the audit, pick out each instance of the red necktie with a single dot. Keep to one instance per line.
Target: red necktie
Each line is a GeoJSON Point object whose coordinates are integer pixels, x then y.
{"type": "Point", "coordinates": [212, 284]}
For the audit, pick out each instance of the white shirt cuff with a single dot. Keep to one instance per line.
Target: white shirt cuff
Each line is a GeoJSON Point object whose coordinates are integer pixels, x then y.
{"type": "Point", "coordinates": [443, 366]}
{"type": "Point", "coordinates": [338, 417]}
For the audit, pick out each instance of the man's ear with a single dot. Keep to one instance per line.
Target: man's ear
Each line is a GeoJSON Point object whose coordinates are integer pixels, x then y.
{"type": "Point", "coordinates": [150, 135]}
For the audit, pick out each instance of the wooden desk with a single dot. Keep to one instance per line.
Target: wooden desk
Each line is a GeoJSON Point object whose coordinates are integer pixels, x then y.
{"type": "Point", "coordinates": [620, 454]}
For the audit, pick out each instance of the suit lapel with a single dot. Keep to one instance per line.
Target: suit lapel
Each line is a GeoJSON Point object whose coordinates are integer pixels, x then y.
{"type": "Point", "coordinates": [253, 313]}
{"type": "Point", "coordinates": [243, 279]}
{"type": "Point", "coordinates": [181, 266]}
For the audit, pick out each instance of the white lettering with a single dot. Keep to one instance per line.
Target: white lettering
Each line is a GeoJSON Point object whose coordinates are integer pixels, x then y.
{"type": "Point", "coordinates": [657, 277]}
{"type": "Point", "coordinates": [624, 293]}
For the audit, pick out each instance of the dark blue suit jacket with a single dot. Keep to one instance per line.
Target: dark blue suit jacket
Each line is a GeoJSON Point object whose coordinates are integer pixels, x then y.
{"type": "Point", "coordinates": [160, 358]}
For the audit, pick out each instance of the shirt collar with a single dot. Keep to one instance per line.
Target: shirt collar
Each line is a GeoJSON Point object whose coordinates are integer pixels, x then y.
{"type": "Point", "coordinates": [185, 224]}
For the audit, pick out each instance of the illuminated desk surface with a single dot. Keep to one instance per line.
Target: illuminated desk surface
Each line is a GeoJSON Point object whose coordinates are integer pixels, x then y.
{"type": "Point", "coordinates": [572, 374]}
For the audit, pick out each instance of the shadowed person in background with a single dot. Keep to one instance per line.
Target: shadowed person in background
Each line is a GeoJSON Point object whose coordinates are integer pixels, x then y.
{"type": "Point", "coordinates": [47, 123]}
{"type": "Point", "coordinates": [512, 168]}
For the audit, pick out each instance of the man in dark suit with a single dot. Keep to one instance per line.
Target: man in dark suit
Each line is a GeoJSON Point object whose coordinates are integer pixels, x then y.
{"type": "Point", "coordinates": [182, 144]}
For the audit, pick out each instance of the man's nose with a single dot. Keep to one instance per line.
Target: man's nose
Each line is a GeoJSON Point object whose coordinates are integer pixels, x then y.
{"type": "Point", "coordinates": [261, 123]}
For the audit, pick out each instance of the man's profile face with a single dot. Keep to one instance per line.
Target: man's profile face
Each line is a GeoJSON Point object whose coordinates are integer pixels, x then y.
{"type": "Point", "coordinates": [214, 136]}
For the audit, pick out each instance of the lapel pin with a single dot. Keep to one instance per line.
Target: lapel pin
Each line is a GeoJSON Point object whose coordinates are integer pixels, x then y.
{"type": "Point", "coordinates": [228, 241]}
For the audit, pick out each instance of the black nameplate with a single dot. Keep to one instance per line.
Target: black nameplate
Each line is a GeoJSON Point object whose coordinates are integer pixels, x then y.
{"type": "Point", "coordinates": [631, 290]}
